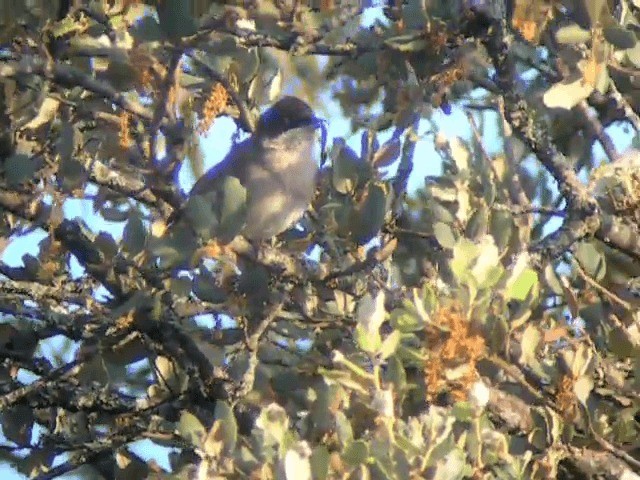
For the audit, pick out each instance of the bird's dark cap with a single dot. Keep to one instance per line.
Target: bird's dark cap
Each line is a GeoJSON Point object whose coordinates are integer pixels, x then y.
{"type": "Point", "coordinates": [286, 114]}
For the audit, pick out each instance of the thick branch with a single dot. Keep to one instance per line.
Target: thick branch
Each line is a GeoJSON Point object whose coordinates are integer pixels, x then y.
{"type": "Point", "coordinates": [582, 219]}
{"type": "Point", "coordinates": [68, 76]}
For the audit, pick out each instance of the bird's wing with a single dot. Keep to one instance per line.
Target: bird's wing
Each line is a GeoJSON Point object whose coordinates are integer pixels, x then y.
{"type": "Point", "coordinates": [230, 165]}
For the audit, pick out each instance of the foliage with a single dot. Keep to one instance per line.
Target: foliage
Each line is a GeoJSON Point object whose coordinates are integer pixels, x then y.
{"type": "Point", "coordinates": [449, 332]}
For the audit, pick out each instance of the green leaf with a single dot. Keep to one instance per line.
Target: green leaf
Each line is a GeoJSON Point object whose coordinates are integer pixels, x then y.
{"type": "Point", "coordinates": [146, 29]}
{"type": "Point", "coordinates": [274, 422]}
{"type": "Point", "coordinates": [567, 94]}
{"type": "Point", "coordinates": [356, 453]}
{"type": "Point", "coordinates": [444, 235]}
{"type": "Point", "coordinates": [633, 55]}
{"type": "Point", "coordinates": [501, 228]}
{"type": "Point", "coordinates": [65, 26]}
{"type": "Point", "coordinates": [17, 424]}
{"type": "Point", "coordinates": [463, 411]}
{"type": "Point", "coordinates": [19, 168]}
{"type": "Point", "coordinates": [415, 15]}
{"type": "Point", "coordinates": [454, 467]}
{"type": "Point", "coordinates": [396, 374]}
{"type": "Point", "coordinates": [175, 248]}
{"type": "Point", "coordinates": [71, 174]}
{"type": "Point", "coordinates": [320, 462]}
{"type": "Point", "coordinates": [296, 462]}
{"type": "Point", "coordinates": [206, 288]}
{"type": "Point", "coordinates": [477, 225]}
{"type": "Point", "coordinates": [387, 153]}
{"type": "Point", "coordinates": [368, 216]}
{"type": "Point", "coordinates": [191, 429]}
{"type": "Point", "coordinates": [620, 344]}
{"type": "Point", "coordinates": [520, 287]}
{"type": "Point", "coordinates": [370, 313]}
{"type": "Point", "coordinates": [405, 321]}
{"type": "Point", "coordinates": [224, 412]}
{"type": "Point", "coordinates": [180, 285]}
{"type": "Point", "coordinates": [134, 236]}
{"type": "Point", "coordinates": [175, 18]}
{"type": "Point", "coordinates": [389, 345]}
{"type": "Point", "coordinates": [572, 34]}
{"type": "Point", "coordinates": [199, 212]}
{"type": "Point", "coordinates": [619, 37]}
{"type": "Point", "coordinates": [46, 113]}
{"type": "Point", "coordinates": [531, 338]}
{"type": "Point", "coordinates": [366, 340]}
{"type": "Point", "coordinates": [407, 43]}
{"type": "Point", "coordinates": [552, 280]}
{"type": "Point", "coordinates": [582, 388]}
{"type": "Point", "coordinates": [591, 260]}
{"type": "Point", "coordinates": [464, 254]}
{"type": "Point", "coordinates": [476, 262]}
{"type": "Point", "coordinates": [343, 428]}
{"type": "Point", "coordinates": [106, 244]}
{"type": "Point", "coordinates": [121, 74]}
{"type": "Point", "coordinates": [349, 170]}
{"type": "Point", "coordinates": [224, 433]}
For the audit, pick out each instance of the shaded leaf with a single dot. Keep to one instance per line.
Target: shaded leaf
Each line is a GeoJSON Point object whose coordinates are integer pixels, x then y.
{"type": "Point", "coordinates": [387, 154]}
{"type": "Point", "coordinates": [349, 170]}
{"type": "Point", "coordinates": [134, 236]}
{"type": "Point", "coordinates": [146, 29]}
{"type": "Point", "coordinates": [591, 260]}
{"type": "Point", "coordinates": [206, 288]}
{"type": "Point", "coordinates": [175, 18]}
{"type": "Point", "coordinates": [619, 37]}
{"type": "Point", "coordinates": [368, 216]}
{"type": "Point", "coordinates": [19, 168]}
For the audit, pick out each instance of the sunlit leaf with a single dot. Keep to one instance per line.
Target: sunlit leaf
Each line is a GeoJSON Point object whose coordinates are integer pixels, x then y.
{"type": "Point", "coordinates": [191, 429]}
{"type": "Point", "coordinates": [567, 95]}
{"type": "Point", "coordinates": [572, 34]}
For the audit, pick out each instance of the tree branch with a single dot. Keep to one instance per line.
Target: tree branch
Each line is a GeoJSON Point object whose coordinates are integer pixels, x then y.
{"type": "Point", "coordinates": [582, 219]}
{"type": "Point", "coordinates": [68, 76]}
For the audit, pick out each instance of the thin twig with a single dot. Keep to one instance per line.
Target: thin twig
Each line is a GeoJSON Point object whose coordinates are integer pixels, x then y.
{"type": "Point", "coordinates": [587, 278]}
{"type": "Point", "coordinates": [162, 102]}
{"type": "Point", "coordinates": [595, 129]}
{"type": "Point", "coordinates": [252, 342]}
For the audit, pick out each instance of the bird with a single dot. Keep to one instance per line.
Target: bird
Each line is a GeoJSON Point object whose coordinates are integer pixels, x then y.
{"type": "Point", "coordinates": [276, 167]}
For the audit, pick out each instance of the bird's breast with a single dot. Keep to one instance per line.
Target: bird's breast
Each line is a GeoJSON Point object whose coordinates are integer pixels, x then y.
{"type": "Point", "coordinates": [279, 188]}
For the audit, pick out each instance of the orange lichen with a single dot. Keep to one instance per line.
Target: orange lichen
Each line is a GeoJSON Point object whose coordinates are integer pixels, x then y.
{"type": "Point", "coordinates": [124, 136]}
{"type": "Point", "coordinates": [449, 76]}
{"type": "Point", "coordinates": [566, 398]}
{"type": "Point", "coordinates": [215, 104]}
{"type": "Point", "coordinates": [452, 348]}
{"type": "Point", "coordinates": [436, 36]}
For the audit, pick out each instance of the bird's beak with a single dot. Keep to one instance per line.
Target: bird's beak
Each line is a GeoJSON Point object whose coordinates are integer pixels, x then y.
{"type": "Point", "coordinates": [321, 123]}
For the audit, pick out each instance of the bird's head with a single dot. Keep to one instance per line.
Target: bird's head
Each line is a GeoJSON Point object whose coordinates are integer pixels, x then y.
{"type": "Point", "coordinates": [287, 114]}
